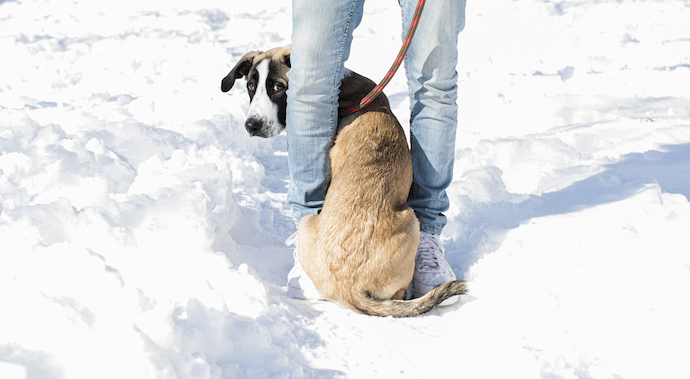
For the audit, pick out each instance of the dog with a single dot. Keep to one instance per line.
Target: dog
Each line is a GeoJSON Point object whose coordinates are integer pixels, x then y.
{"type": "Point", "coordinates": [360, 249]}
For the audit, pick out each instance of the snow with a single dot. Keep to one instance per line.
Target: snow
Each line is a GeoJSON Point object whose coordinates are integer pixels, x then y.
{"type": "Point", "coordinates": [142, 231]}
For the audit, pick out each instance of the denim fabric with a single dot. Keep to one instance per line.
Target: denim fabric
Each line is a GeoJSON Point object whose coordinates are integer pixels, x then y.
{"type": "Point", "coordinates": [321, 39]}
{"type": "Point", "coordinates": [430, 66]}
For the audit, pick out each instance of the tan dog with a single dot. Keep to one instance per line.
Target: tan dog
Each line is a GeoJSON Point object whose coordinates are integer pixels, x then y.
{"type": "Point", "coordinates": [360, 249]}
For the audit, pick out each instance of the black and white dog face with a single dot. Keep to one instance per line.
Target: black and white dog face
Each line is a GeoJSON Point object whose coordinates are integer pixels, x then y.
{"type": "Point", "coordinates": [267, 83]}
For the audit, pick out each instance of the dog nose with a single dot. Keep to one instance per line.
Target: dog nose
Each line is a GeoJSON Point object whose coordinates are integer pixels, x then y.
{"type": "Point", "coordinates": [253, 126]}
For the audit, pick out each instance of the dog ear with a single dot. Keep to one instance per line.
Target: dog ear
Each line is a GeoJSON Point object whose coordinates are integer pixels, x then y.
{"type": "Point", "coordinates": [241, 69]}
{"type": "Point", "coordinates": [286, 55]}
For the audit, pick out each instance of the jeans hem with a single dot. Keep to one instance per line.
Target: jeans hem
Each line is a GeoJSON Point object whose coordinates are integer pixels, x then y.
{"type": "Point", "coordinates": [431, 229]}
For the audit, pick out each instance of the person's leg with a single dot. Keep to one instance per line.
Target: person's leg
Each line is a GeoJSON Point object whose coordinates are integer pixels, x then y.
{"type": "Point", "coordinates": [321, 38]}
{"type": "Point", "coordinates": [430, 65]}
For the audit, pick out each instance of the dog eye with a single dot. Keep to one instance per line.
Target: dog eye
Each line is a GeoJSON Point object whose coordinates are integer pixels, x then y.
{"type": "Point", "coordinates": [278, 87]}
{"type": "Point", "coordinates": [251, 86]}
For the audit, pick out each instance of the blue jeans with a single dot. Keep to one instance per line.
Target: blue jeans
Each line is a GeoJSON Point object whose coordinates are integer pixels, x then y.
{"type": "Point", "coordinates": [321, 39]}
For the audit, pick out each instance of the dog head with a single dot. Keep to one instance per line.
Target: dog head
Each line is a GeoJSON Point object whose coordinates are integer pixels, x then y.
{"type": "Point", "coordinates": [267, 83]}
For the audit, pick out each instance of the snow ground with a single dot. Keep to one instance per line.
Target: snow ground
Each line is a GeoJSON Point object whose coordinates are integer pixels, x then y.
{"type": "Point", "coordinates": [141, 229]}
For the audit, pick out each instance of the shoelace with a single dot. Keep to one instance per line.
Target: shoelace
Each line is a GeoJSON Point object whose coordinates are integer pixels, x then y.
{"type": "Point", "coordinates": [292, 240]}
{"type": "Point", "coordinates": [427, 255]}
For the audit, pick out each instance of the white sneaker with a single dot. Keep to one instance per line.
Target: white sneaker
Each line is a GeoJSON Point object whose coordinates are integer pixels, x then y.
{"type": "Point", "coordinates": [430, 268]}
{"type": "Point", "coordinates": [299, 285]}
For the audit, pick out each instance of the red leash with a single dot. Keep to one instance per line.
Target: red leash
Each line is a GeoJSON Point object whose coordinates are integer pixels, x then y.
{"type": "Point", "coordinates": [401, 55]}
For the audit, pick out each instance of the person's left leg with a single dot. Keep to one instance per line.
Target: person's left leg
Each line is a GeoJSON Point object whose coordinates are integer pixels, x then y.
{"type": "Point", "coordinates": [430, 65]}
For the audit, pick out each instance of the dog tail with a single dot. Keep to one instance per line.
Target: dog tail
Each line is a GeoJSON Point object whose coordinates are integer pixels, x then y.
{"type": "Point", "coordinates": [406, 308]}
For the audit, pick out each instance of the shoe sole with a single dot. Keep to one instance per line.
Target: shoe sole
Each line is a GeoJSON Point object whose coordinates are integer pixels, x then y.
{"type": "Point", "coordinates": [449, 301]}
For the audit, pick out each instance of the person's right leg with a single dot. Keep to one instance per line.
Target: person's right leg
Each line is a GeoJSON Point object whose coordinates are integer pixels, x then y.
{"type": "Point", "coordinates": [321, 39]}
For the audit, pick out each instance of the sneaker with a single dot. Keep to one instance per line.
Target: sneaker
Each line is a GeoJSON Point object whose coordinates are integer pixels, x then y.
{"type": "Point", "coordinates": [299, 285]}
{"type": "Point", "coordinates": [430, 269]}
